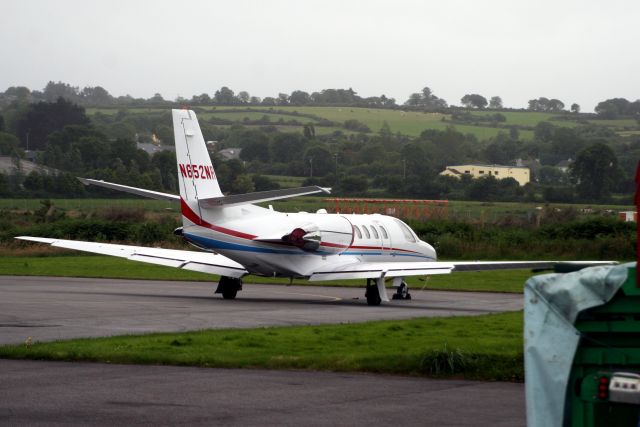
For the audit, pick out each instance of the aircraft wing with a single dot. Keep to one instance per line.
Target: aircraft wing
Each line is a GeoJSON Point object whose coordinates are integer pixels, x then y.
{"type": "Point", "coordinates": [373, 270]}
{"type": "Point", "coordinates": [559, 266]}
{"type": "Point", "coordinates": [203, 262]}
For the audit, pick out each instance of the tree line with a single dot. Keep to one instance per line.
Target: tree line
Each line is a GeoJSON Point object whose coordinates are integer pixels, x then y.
{"type": "Point", "coordinates": [422, 100]}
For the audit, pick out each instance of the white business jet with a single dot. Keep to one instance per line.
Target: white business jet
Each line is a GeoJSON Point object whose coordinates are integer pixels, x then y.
{"type": "Point", "coordinates": [240, 238]}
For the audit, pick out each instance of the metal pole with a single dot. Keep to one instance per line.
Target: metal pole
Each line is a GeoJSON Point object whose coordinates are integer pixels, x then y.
{"type": "Point", "coordinates": [310, 167]}
{"type": "Point", "coordinates": [637, 203]}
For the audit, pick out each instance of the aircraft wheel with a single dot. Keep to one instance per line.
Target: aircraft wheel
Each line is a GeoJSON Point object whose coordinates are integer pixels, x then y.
{"type": "Point", "coordinates": [229, 287]}
{"type": "Point", "coordinates": [402, 292]}
{"type": "Point", "coordinates": [372, 294]}
{"type": "Point", "coordinates": [229, 293]}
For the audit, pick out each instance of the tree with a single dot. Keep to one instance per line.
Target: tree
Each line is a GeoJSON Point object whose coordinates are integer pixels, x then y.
{"type": "Point", "coordinates": [224, 96]}
{"type": "Point", "coordinates": [353, 184]}
{"type": "Point", "coordinates": [425, 99]}
{"type": "Point", "coordinates": [156, 98]}
{"type": "Point", "coordinates": [299, 97]}
{"type": "Point", "coordinates": [495, 102]}
{"type": "Point", "coordinates": [575, 108]}
{"type": "Point", "coordinates": [96, 96]}
{"type": "Point", "coordinates": [283, 99]}
{"type": "Point", "coordinates": [41, 119]}
{"type": "Point", "coordinates": [474, 100]}
{"type": "Point", "coordinates": [616, 107]}
{"type": "Point", "coordinates": [243, 97]}
{"type": "Point", "coordinates": [595, 171]}
{"type": "Point", "coordinates": [242, 184]}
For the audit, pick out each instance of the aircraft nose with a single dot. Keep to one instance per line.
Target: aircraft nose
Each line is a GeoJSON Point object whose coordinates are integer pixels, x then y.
{"type": "Point", "coordinates": [428, 250]}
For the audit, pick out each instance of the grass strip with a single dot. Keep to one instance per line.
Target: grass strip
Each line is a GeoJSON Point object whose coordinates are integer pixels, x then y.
{"type": "Point", "coordinates": [118, 268]}
{"type": "Point", "coordinates": [487, 347]}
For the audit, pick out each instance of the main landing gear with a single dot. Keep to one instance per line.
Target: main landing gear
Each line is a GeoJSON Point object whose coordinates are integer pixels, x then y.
{"type": "Point", "coordinates": [229, 287]}
{"type": "Point", "coordinates": [372, 293]}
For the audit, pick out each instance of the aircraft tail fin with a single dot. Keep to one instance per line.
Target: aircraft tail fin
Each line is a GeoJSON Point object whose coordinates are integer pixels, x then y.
{"type": "Point", "coordinates": [196, 177]}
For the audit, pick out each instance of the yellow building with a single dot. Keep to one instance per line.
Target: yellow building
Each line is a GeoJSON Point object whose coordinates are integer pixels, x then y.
{"type": "Point", "coordinates": [520, 174]}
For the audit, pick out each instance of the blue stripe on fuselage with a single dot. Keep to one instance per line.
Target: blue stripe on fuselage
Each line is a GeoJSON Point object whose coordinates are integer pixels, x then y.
{"type": "Point", "coordinates": [219, 244]}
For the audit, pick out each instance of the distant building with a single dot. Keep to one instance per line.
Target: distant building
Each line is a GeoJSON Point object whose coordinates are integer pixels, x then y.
{"type": "Point", "coordinates": [563, 165]}
{"type": "Point", "coordinates": [153, 148]}
{"type": "Point", "coordinates": [230, 153]}
{"type": "Point", "coordinates": [628, 216]}
{"type": "Point", "coordinates": [8, 166]}
{"type": "Point", "coordinates": [520, 174]}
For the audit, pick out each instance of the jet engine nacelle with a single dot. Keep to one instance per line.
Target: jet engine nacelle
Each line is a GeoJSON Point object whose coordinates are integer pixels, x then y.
{"type": "Point", "coordinates": [331, 234]}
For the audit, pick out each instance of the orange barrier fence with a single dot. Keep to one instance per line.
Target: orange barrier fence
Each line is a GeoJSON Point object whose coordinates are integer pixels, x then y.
{"type": "Point", "coordinates": [401, 208]}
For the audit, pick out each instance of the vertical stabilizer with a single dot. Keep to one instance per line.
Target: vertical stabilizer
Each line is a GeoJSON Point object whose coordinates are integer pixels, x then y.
{"type": "Point", "coordinates": [196, 177]}
{"type": "Point", "coordinates": [195, 172]}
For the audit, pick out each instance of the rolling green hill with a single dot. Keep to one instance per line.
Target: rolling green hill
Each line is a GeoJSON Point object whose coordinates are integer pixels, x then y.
{"type": "Point", "coordinates": [410, 123]}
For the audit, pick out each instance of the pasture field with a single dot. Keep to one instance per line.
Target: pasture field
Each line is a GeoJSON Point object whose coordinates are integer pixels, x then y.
{"type": "Point", "coordinates": [526, 118]}
{"type": "Point", "coordinates": [70, 264]}
{"type": "Point", "coordinates": [409, 123]}
{"type": "Point", "coordinates": [485, 347]}
{"type": "Point", "coordinates": [240, 117]}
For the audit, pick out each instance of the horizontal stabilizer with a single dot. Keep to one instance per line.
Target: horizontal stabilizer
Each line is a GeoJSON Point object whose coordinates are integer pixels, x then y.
{"type": "Point", "coordinates": [133, 190]}
{"type": "Point", "coordinates": [203, 262]}
{"type": "Point", "coordinates": [261, 196]}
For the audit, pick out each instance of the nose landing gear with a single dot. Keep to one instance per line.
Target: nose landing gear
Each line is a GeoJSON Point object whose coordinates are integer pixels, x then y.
{"type": "Point", "coordinates": [402, 292]}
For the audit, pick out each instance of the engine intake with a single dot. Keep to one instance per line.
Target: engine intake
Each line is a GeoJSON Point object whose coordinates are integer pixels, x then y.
{"type": "Point", "coordinates": [331, 235]}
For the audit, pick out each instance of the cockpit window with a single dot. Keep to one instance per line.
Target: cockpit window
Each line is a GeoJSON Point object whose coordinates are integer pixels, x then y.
{"type": "Point", "coordinates": [358, 233]}
{"type": "Point", "coordinates": [406, 231]}
{"type": "Point", "coordinates": [384, 232]}
{"type": "Point", "coordinates": [374, 231]}
{"type": "Point", "coordinates": [366, 231]}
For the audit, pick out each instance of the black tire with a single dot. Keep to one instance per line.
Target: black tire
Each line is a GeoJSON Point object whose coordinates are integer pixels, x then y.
{"type": "Point", "coordinates": [229, 293]}
{"type": "Point", "coordinates": [372, 295]}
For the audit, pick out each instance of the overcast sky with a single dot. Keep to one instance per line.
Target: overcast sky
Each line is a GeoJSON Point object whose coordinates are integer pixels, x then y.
{"type": "Point", "coordinates": [577, 51]}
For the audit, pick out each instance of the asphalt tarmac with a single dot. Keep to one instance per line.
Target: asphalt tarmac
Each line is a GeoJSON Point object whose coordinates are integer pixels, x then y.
{"type": "Point", "coordinates": [52, 308]}
{"type": "Point", "coordinates": [59, 393]}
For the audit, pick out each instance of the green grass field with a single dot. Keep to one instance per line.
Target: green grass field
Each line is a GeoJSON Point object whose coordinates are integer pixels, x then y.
{"type": "Point", "coordinates": [69, 264]}
{"type": "Point", "coordinates": [485, 347]}
{"type": "Point", "coordinates": [458, 209]}
{"type": "Point", "coordinates": [410, 123]}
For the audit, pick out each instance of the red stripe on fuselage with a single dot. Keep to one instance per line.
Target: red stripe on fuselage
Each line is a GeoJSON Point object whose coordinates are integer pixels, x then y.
{"type": "Point", "coordinates": [193, 217]}
{"type": "Point", "coordinates": [385, 248]}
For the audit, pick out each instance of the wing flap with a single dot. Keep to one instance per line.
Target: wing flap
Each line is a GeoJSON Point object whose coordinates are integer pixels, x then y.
{"type": "Point", "coordinates": [511, 265]}
{"type": "Point", "coordinates": [203, 262]}
{"type": "Point", "coordinates": [373, 270]}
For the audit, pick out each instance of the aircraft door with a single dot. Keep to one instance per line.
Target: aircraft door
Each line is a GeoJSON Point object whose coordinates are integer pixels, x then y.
{"type": "Point", "coordinates": [385, 238]}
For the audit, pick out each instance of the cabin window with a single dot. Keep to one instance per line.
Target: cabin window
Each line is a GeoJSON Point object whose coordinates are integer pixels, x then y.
{"type": "Point", "coordinates": [384, 232]}
{"type": "Point", "coordinates": [495, 173]}
{"type": "Point", "coordinates": [358, 233]}
{"type": "Point", "coordinates": [406, 231]}
{"type": "Point", "coordinates": [481, 172]}
{"type": "Point", "coordinates": [366, 231]}
{"type": "Point", "coordinates": [467, 171]}
{"type": "Point", "coordinates": [374, 231]}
